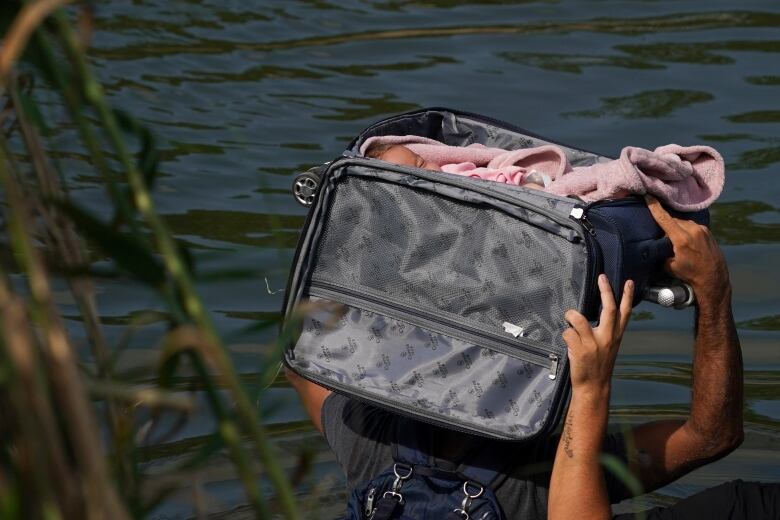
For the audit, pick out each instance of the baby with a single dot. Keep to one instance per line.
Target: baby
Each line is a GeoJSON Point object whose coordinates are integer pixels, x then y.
{"type": "Point", "coordinates": [403, 156]}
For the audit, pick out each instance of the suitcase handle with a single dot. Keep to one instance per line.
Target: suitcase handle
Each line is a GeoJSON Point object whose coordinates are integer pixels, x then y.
{"type": "Point", "coordinates": [667, 292]}
{"type": "Point", "coordinates": [675, 294]}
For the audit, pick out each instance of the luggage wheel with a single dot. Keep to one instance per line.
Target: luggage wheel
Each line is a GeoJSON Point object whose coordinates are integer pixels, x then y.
{"type": "Point", "coordinates": [305, 187]}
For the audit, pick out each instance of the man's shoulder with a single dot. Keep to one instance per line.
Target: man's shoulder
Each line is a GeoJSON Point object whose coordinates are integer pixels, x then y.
{"type": "Point", "coordinates": [347, 416]}
{"type": "Point", "coordinates": [360, 435]}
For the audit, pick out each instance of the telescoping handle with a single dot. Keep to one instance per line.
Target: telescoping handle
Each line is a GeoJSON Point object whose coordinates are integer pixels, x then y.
{"type": "Point", "coordinates": [670, 293]}
{"type": "Point", "coordinates": [665, 291]}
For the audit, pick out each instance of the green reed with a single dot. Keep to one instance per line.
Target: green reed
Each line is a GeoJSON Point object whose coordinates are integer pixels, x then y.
{"type": "Point", "coordinates": [52, 464]}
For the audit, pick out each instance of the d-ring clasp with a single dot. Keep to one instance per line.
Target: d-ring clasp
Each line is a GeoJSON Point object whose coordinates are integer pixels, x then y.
{"type": "Point", "coordinates": [402, 472]}
{"type": "Point", "coordinates": [472, 490]}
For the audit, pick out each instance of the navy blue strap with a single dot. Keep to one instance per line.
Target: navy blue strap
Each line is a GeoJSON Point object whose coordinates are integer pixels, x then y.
{"type": "Point", "coordinates": [414, 446]}
{"type": "Point", "coordinates": [412, 443]}
{"type": "Point", "coordinates": [386, 507]}
{"type": "Point", "coordinates": [485, 464]}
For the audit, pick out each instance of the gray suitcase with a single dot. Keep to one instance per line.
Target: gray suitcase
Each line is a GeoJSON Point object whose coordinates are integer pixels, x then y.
{"type": "Point", "coordinates": [442, 297]}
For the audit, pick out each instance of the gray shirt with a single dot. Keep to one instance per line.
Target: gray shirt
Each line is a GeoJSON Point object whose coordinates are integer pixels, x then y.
{"type": "Point", "coordinates": [362, 436]}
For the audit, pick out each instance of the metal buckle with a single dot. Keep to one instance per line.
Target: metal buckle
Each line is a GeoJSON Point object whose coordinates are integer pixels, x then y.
{"type": "Point", "coordinates": [476, 492]}
{"type": "Point", "coordinates": [395, 494]}
{"type": "Point", "coordinates": [398, 475]}
{"type": "Point", "coordinates": [462, 513]}
{"type": "Point", "coordinates": [402, 472]}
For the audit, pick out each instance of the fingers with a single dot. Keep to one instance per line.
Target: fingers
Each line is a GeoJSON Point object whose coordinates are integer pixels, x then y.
{"type": "Point", "coordinates": [625, 305]}
{"type": "Point", "coordinates": [571, 338]}
{"type": "Point", "coordinates": [580, 325]}
{"type": "Point", "coordinates": [664, 220]}
{"type": "Point", "coordinates": [608, 307]}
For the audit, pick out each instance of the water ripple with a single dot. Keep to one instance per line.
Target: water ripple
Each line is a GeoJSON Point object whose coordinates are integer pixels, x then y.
{"type": "Point", "coordinates": [683, 22]}
{"type": "Point", "coordinates": [646, 104]}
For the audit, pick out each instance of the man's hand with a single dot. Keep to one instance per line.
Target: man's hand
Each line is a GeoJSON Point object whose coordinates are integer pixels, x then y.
{"type": "Point", "coordinates": [697, 258]}
{"type": "Point", "coordinates": [592, 351]}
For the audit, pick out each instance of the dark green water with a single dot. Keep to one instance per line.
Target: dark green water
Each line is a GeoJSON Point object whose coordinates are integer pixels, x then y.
{"type": "Point", "coordinates": [245, 94]}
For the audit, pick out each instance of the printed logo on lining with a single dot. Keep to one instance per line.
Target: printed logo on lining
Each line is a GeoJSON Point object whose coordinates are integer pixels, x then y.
{"type": "Point", "coordinates": [500, 380]}
{"type": "Point", "coordinates": [376, 335]}
{"type": "Point", "coordinates": [476, 388]}
{"type": "Point", "coordinates": [351, 346]}
{"type": "Point", "coordinates": [526, 369]}
{"type": "Point", "coordinates": [465, 360]}
{"type": "Point", "coordinates": [352, 213]}
{"type": "Point", "coordinates": [526, 239]}
{"type": "Point", "coordinates": [342, 253]}
{"type": "Point", "coordinates": [416, 379]}
{"type": "Point", "coordinates": [398, 327]}
{"type": "Point", "coordinates": [424, 403]}
{"type": "Point", "coordinates": [501, 251]}
{"type": "Point", "coordinates": [325, 354]}
{"type": "Point", "coordinates": [440, 370]}
{"type": "Point", "coordinates": [384, 362]}
{"type": "Point", "coordinates": [488, 288]}
{"type": "Point", "coordinates": [360, 373]}
{"type": "Point", "coordinates": [364, 243]}
{"type": "Point", "coordinates": [536, 268]}
{"type": "Point", "coordinates": [536, 398]}
{"type": "Point", "coordinates": [315, 327]}
{"type": "Point", "coordinates": [454, 400]}
{"type": "Point", "coordinates": [487, 354]}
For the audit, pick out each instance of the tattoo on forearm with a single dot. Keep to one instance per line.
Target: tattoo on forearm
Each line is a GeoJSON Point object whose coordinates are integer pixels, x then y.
{"type": "Point", "coordinates": [567, 438]}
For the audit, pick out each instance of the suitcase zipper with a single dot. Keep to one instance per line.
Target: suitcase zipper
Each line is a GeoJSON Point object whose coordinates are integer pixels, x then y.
{"type": "Point", "coordinates": [454, 180]}
{"type": "Point", "coordinates": [579, 214]}
{"type": "Point", "coordinates": [477, 117]}
{"type": "Point", "coordinates": [441, 325]}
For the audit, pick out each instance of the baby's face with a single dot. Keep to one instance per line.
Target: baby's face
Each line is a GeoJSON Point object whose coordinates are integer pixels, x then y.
{"type": "Point", "coordinates": [405, 157]}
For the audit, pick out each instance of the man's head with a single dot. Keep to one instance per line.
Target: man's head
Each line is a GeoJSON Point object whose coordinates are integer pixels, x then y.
{"type": "Point", "coordinates": [397, 154]}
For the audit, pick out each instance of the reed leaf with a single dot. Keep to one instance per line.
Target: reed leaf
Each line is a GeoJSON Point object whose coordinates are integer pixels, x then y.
{"type": "Point", "coordinates": [48, 396]}
{"type": "Point", "coordinates": [124, 249]}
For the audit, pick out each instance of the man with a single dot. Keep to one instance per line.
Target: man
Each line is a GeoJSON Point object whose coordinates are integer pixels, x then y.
{"type": "Point", "coordinates": [665, 450]}
{"type": "Point", "coordinates": [658, 452]}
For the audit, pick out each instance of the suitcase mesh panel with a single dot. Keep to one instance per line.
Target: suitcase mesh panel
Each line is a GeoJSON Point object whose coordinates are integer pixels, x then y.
{"type": "Point", "coordinates": [471, 263]}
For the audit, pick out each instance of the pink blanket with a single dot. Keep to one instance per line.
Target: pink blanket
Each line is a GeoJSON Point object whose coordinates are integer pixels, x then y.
{"type": "Point", "coordinates": [685, 178]}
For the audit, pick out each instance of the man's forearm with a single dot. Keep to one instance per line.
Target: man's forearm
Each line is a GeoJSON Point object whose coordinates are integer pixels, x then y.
{"type": "Point", "coordinates": [667, 449]}
{"type": "Point", "coordinates": [662, 451]}
{"type": "Point", "coordinates": [716, 407]}
{"type": "Point", "coordinates": [577, 486]}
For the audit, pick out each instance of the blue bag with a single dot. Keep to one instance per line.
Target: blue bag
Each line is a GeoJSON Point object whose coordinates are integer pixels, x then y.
{"type": "Point", "coordinates": [415, 488]}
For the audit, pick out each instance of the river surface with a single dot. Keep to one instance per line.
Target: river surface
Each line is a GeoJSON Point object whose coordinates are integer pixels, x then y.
{"type": "Point", "coordinates": [243, 95]}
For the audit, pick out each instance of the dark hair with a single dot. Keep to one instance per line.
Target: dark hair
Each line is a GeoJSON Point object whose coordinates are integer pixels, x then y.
{"type": "Point", "coordinates": [376, 149]}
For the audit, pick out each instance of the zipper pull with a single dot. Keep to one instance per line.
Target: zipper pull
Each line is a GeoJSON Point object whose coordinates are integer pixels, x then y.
{"type": "Point", "coordinates": [578, 214]}
{"type": "Point", "coordinates": [370, 502]}
{"type": "Point", "coordinates": [553, 366]}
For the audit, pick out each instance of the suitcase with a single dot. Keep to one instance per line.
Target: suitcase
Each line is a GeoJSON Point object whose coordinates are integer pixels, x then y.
{"type": "Point", "coordinates": [442, 297]}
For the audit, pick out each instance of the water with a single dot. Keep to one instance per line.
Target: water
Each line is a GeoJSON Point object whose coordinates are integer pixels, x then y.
{"type": "Point", "coordinates": [243, 95]}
